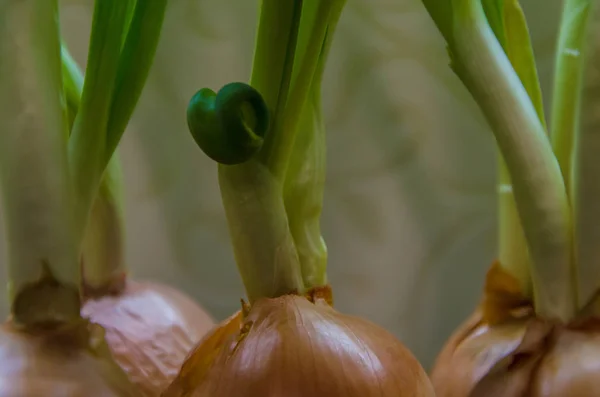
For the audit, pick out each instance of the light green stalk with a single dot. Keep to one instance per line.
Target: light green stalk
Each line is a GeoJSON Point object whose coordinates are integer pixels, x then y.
{"type": "Point", "coordinates": [540, 193]}
{"type": "Point", "coordinates": [88, 151]}
{"type": "Point", "coordinates": [122, 47]}
{"type": "Point", "coordinates": [43, 267]}
{"type": "Point", "coordinates": [305, 178]}
{"type": "Point", "coordinates": [585, 189]}
{"type": "Point", "coordinates": [103, 255]}
{"type": "Point", "coordinates": [507, 21]}
{"type": "Point", "coordinates": [566, 98]}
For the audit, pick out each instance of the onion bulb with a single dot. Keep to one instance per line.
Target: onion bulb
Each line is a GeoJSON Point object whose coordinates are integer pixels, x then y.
{"type": "Point", "coordinates": [504, 350]}
{"type": "Point", "coordinates": [297, 346]}
{"type": "Point", "coordinates": [150, 328]}
{"type": "Point", "coordinates": [70, 362]}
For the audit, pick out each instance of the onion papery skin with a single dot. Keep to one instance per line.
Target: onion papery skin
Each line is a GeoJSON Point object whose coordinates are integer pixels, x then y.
{"type": "Point", "coordinates": [150, 329]}
{"type": "Point", "coordinates": [502, 352]}
{"type": "Point", "coordinates": [74, 362]}
{"type": "Point", "coordinates": [291, 347]}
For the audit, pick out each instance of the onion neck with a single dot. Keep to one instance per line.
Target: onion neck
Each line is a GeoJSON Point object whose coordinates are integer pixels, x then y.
{"type": "Point", "coordinates": [103, 251]}
{"type": "Point", "coordinates": [42, 249]}
{"type": "Point", "coordinates": [513, 253]}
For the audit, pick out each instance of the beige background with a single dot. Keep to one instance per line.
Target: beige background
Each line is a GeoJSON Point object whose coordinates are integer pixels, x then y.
{"type": "Point", "coordinates": [410, 204]}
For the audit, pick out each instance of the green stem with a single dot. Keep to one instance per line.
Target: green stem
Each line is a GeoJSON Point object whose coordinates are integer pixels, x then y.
{"type": "Point", "coordinates": [305, 178]}
{"type": "Point", "coordinates": [42, 250]}
{"type": "Point", "coordinates": [541, 197]}
{"type": "Point", "coordinates": [104, 266]}
{"type": "Point", "coordinates": [135, 63]}
{"type": "Point", "coordinates": [585, 189]}
{"type": "Point", "coordinates": [272, 70]}
{"type": "Point", "coordinates": [88, 152]}
{"type": "Point", "coordinates": [115, 76]}
{"type": "Point", "coordinates": [507, 20]}
{"type": "Point", "coordinates": [262, 243]}
{"type": "Point", "coordinates": [566, 99]}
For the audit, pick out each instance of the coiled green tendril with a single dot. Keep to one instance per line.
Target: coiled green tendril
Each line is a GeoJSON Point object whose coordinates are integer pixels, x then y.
{"type": "Point", "coordinates": [229, 126]}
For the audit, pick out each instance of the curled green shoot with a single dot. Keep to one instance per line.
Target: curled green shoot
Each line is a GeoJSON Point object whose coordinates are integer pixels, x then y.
{"type": "Point", "coordinates": [482, 64]}
{"type": "Point", "coordinates": [103, 253]}
{"type": "Point", "coordinates": [254, 180]}
{"type": "Point", "coordinates": [229, 126]}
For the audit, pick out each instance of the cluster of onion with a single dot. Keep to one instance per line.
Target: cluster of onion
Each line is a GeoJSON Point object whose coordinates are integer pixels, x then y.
{"type": "Point", "coordinates": [289, 340]}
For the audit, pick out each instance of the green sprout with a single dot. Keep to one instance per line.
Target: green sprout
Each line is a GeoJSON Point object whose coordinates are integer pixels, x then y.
{"type": "Point", "coordinates": [104, 240]}
{"type": "Point", "coordinates": [59, 133]}
{"type": "Point", "coordinates": [268, 138]}
{"type": "Point", "coordinates": [490, 50]}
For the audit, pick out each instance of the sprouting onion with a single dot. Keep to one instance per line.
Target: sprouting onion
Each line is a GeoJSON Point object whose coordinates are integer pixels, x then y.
{"type": "Point", "coordinates": [149, 327]}
{"type": "Point", "coordinates": [536, 330]}
{"type": "Point", "coordinates": [268, 137]}
{"type": "Point", "coordinates": [54, 149]}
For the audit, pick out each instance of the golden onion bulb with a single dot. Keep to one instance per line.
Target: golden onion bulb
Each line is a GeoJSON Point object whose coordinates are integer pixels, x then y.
{"type": "Point", "coordinates": [289, 346]}
{"type": "Point", "coordinates": [504, 350]}
{"type": "Point", "coordinates": [71, 362]}
{"type": "Point", "coordinates": [150, 328]}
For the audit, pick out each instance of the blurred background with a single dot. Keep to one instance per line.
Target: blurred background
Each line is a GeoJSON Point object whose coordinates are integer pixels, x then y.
{"type": "Point", "coordinates": [410, 211]}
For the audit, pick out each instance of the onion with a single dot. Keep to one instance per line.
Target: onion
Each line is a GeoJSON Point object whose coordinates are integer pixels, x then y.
{"type": "Point", "coordinates": [72, 362]}
{"type": "Point", "coordinates": [504, 350]}
{"type": "Point", "coordinates": [49, 182]}
{"type": "Point", "coordinates": [290, 346]}
{"type": "Point", "coordinates": [269, 140]}
{"type": "Point", "coordinates": [150, 328]}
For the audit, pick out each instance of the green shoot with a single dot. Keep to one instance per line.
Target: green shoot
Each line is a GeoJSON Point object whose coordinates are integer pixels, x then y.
{"type": "Point", "coordinates": [508, 23]}
{"type": "Point", "coordinates": [43, 266]}
{"type": "Point", "coordinates": [57, 140]}
{"type": "Point", "coordinates": [539, 190]}
{"type": "Point", "coordinates": [135, 62]}
{"type": "Point", "coordinates": [585, 121]}
{"type": "Point", "coordinates": [255, 151]}
{"type": "Point", "coordinates": [305, 178]}
{"type": "Point", "coordinates": [566, 97]}
{"type": "Point", "coordinates": [122, 48]}
{"type": "Point", "coordinates": [104, 241]}
{"type": "Point", "coordinates": [88, 141]}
